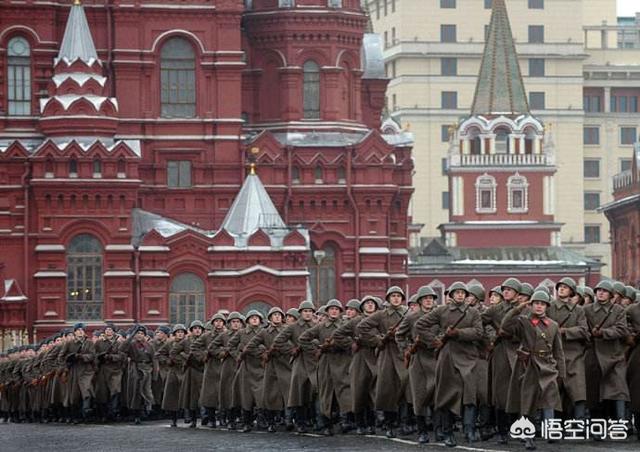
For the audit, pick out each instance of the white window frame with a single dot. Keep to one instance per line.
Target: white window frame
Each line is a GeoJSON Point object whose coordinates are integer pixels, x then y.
{"type": "Point", "coordinates": [486, 182]}
{"type": "Point", "coordinates": [518, 182]}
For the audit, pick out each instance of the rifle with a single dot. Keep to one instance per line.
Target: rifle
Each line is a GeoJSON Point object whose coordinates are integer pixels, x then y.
{"type": "Point", "coordinates": [266, 356]}
{"type": "Point", "coordinates": [606, 317]}
{"type": "Point", "coordinates": [391, 333]}
{"type": "Point", "coordinates": [411, 351]}
{"type": "Point", "coordinates": [325, 346]}
{"type": "Point", "coordinates": [445, 338]}
{"type": "Point", "coordinates": [561, 324]}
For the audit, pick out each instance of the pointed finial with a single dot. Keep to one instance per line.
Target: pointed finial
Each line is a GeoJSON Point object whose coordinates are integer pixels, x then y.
{"type": "Point", "coordinates": [77, 2]}
{"type": "Point", "coordinates": [252, 169]}
{"type": "Point", "coordinates": [254, 151]}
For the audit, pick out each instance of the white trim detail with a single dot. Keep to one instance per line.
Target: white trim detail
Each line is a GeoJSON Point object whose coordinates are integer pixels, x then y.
{"type": "Point", "coordinates": [400, 251]}
{"type": "Point", "coordinates": [483, 183]}
{"type": "Point", "coordinates": [118, 273]}
{"type": "Point", "coordinates": [255, 268]}
{"type": "Point", "coordinates": [374, 275]}
{"type": "Point", "coordinates": [50, 274]}
{"type": "Point", "coordinates": [51, 248]}
{"type": "Point", "coordinates": [516, 183]}
{"type": "Point", "coordinates": [18, 298]}
{"type": "Point", "coordinates": [374, 250]}
{"type": "Point", "coordinates": [153, 248]}
{"type": "Point", "coordinates": [119, 248]}
{"type": "Point", "coordinates": [154, 274]}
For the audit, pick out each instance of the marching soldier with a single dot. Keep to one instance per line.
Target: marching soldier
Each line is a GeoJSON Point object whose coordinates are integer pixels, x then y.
{"type": "Point", "coordinates": [109, 376]}
{"type": "Point", "coordinates": [420, 359]}
{"type": "Point", "coordinates": [277, 370]}
{"type": "Point", "coordinates": [291, 316]}
{"type": "Point", "coordinates": [303, 385]}
{"type": "Point", "coordinates": [222, 349]}
{"type": "Point", "coordinates": [534, 382]}
{"type": "Point", "coordinates": [378, 330]}
{"type": "Point", "coordinates": [80, 358]}
{"type": "Point", "coordinates": [249, 373]}
{"type": "Point", "coordinates": [503, 356]}
{"type": "Point", "coordinates": [605, 361]}
{"type": "Point", "coordinates": [161, 354]}
{"type": "Point", "coordinates": [333, 367]}
{"type": "Point", "coordinates": [142, 363]}
{"type": "Point", "coordinates": [456, 387]}
{"type": "Point", "coordinates": [211, 376]}
{"type": "Point", "coordinates": [193, 370]}
{"type": "Point", "coordinates": [177, 359]}
{"type": "Point", "coordinates": [574, 333]}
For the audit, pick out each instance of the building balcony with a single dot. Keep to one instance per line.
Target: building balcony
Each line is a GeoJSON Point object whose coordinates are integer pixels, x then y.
{"type": "Point", "coordinates": [492, 160]}
{"type": "Point", "coordinates": [623, 180]}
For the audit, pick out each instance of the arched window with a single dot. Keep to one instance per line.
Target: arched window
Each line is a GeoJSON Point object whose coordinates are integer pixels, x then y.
{"type": "Point", "coordinates": [317, 174]}
{"type": "Point", "coordinates": [311, 90]}
{"type": "Point", "coordinates": [73, 168]}
{"type": "Point", "coordinates": [186, 299]}
{"type": "Point", "coordinates": [84, 278]}
{"type": "Point", "coordinates": [97, 167]}
{"type": "Point", "coordinates": [529, 140]}
{"type": "Point", "coordinates": [518, 188]}
{"type": "Point", "coordinates": [178, 79]}
{"type": "Point", "coordinates": [322, 273]}
{"type": "Point", "coordinates": [486, 194]}
{"type": "Point", "coordinates": [502, 141]}
{"type": "Point", "coordinates": [475, 147]}
{"type": "Point", "coordinates": [295, 175]}
{"type": "Point", "coordinates": [19, 77]}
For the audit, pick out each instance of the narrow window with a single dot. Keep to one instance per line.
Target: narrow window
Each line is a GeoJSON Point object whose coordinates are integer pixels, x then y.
{"type": "Point", "coordinates": [19, 77]}
{"type": "Point", "coordinates": [311, 90]}
{"type": "Point", "coordinates": [178, 79]}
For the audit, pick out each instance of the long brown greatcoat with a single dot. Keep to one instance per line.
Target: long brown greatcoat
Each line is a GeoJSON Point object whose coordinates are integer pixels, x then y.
{"type": "Point", "coordinates": [177, 357]}
{"type": "Point", "coordinates": [211, 376]}
{"type": "Point", "coordinates": [534, 383]}
{"type": "Point", "coordinates": [575, 334]}
{"type": "Point", "coordinates": [303, 368]}
{"type": "Point", "coordinates": [222, 350]}
{"type": "Point", "coordinates": [141, 364]}
{"type": "Point", "coordinates": [605, 363]}
{"type": "Point", "coordinates": [333, 366]}
{"type": "Point", "coordinates": [422, 364]}
{"type": "Point", "coordinates": [58, 378]}
{"type": "Point", "coordinates": [633, 364]}
{"type": "Point", "coordinates": [249, 373]}
{"type": "Point", "coordinates": [392, 378]}
{"type": "Point", "coordinates": [193, 372]}
{"type": "Point", "coordinates": [277, 370]}
{"type": "Point", "coordinates": [109, 376]}
{"type": "Point", "coordinates": [82, 370]}
{"type": "Point", "coordinates": [362, 371]}
{"type": "Point", "coordinates": [161, 353]}
{"type": "Point", "coordinates": [502, 359]}
{"type": "Point", "coordinates": [456, 365]}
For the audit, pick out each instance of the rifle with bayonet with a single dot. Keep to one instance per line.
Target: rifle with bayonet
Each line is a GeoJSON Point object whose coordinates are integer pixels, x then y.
{"type": "Point", "coordinates": [445, 338]}
{"type": "Point", "coordinates": [390, 335]}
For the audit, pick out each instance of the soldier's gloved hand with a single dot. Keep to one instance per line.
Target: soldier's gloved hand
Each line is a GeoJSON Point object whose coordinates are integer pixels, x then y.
{"type": "Point", "coordinates": [631, 341]}
{"type": "Point", "coordinates": [596, 332]}
{"type": "Point", "coordinates": [452, 332]}
{"type": "Point", "coordinates": [407, 355]}
{"type": "Point", "coordinates": [437, 343]}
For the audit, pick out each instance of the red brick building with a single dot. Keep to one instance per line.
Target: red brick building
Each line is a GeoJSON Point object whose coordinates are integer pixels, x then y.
{"type": "Point", "coordinates": [623, 214]}
{"type": "Point", "coordinates": [501, 168]}
{"type": "Point", "coordinates": [126, 132]}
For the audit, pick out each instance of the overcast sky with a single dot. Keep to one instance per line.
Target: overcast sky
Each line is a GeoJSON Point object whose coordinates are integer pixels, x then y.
{"type": "Point", "coordinates": [628, 7]}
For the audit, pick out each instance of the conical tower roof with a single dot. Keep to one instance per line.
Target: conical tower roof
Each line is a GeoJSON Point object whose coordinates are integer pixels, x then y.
{"type": "Point", "coordinates": [252, 209]}
{"type": "Point", "coordinates": [77, 43]}
{"type": "Point", "coordinates": [500, 89]}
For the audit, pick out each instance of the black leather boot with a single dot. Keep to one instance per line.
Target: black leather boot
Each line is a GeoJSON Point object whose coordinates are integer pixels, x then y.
{"type": "Point", "coordinates": [423, 436]}
{"type": "Point", "coordinates": [194, 419]}
{"type": "Point", "coordinates": [247, 419]}
{"type": "Point", "coordinates": [174, 419]}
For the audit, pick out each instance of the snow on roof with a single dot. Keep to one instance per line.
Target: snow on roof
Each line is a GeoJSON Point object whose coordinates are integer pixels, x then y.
{"type": "Point", "coordinates": [67, 99]}
{"type": "Point", "coordinates": [513, 262]}
{"type": "Point", "coordinates": [79, 77]}
{"type": "Point", "coordinates": [77, 43]}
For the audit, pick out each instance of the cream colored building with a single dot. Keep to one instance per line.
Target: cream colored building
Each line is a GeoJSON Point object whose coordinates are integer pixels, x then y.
{"type": "Point", "coordinates": [572, 67]}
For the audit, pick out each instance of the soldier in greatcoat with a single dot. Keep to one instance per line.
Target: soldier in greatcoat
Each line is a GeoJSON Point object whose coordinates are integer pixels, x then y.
{"type": "Point", "coordinates": [392, 384]}
{"type": "Point", "coordinates": [303, 387]}
{"type": "Point", "coordinates": [503, 355]}
{"type": "Point", "coordinates": [160, 339]}
{"type": "Point", "coordinates": [142, 361]}
{"type": "Point", "coordinates": [177, 358]}
{"type": "Point", "coordinates": [420, 359]}
{"type": "Point", "coordinates": [605, 363]}
{"type": "Point", "coordinates": [223, 349]}
{"type": "Point", "coordinates": [277, 369]}
{"type": "Point", "coordinates": [362, 368]}
{"type": "Point", "coordinates": [533, 385]}
{"type": "Point", "coordinates": [333, 366]}
{"type": "Point", "coordinates": [454, 329]}
{"type": "Point", "coordinates": [574, 332]}
{"type": "Point", "coordinates": [193, 371]}
{"type": "Point", "coordinates": [249, 373]}
{"type": "Point", "coordinates": [212, 367]}
{"type": "Point", "coordinates": [109, 376]}
{"type": "Point", "coordinates": [80, 358]}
